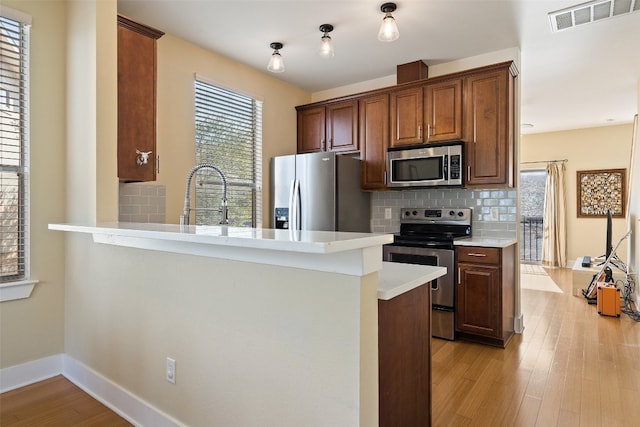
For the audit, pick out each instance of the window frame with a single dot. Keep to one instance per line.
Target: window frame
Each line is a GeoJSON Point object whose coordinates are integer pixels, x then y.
{"type": "Point", "coordinates": [256, 150]}
{"type": "Point", "coordinates": [18, 285]}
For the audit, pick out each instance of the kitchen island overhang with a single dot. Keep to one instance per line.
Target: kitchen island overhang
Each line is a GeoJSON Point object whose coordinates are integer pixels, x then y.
{"type": "Point", "coordinates": [226, 307]}
{"type": "Point", "coordinates": [340, 252]}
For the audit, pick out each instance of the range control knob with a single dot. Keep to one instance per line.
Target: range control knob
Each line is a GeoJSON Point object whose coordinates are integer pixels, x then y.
{"type": "Point", "coordinates": [460, 213]}
{"type": "Point", "coordinates": [415, 213]}
{"type": "Point", "coordinates": [451, 213]}
{"type": "Point", "coordinates": [407, 213]}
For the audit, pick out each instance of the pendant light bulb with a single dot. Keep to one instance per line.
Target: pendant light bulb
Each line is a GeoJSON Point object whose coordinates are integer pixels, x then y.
{"type": "Point", "coordinates": [276, 64]}
{"type": "Point", "coordinates": [326, 46]}
{"type": "Point", "coordinates": [389, 29]}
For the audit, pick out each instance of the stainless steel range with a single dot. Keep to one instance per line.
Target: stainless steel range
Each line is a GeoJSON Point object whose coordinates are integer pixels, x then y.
{"type": "Point", "coordinates": [426, 237]}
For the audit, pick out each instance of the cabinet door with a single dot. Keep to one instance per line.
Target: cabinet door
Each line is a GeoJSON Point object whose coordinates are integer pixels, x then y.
{"type": "Point", "coordinates": [404, 359]}
{"type": "Point", "coordinates": [443, 111]}
{"type": "Point", "coordinates": [136, 104]}
{"type": "Point", "coordinates": [406, 117]}
{"type": "Point", "coordinates": [311, 130]}
{"type": "Point", "coordinates": [478, 308]}
{"type": "Point", "coordinates": [487, 129]}
{"type": "Point", "coordinates": [374, 140]}
{"type": "Point", "coordinates": [342, 126]}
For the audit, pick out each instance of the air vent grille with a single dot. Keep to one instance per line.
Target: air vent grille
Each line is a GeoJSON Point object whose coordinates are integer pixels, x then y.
{"type": "Point", "coordinates": [592, 11]}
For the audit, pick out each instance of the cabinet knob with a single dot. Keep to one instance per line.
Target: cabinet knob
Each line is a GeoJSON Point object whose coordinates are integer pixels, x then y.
{"type": "Point", "coordinates": [142, 157]}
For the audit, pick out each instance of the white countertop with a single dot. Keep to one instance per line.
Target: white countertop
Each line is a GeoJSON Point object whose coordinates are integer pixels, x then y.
{"type": "Point", "coordinates": [490, 242]}
{"type": "Point", "coordinates": [262, 238]}
{"type": "Point", "coordinates": [397, 278]}
{"type": "Point", "coordinates": [341, 252]}
{"type": "Point", "coordinates": [317, 250]}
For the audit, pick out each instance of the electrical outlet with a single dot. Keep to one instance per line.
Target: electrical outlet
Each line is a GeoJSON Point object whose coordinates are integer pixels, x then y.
{"type": "Point", "coordinates": [387, 213]}
{"type": "Point", "coordinates": [171, 370]}
{"type": "Point", "coordinates": [495, 214]}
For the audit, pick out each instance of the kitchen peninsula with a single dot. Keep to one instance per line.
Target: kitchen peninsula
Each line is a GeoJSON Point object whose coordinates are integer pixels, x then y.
{"type": "Point", "coordinates": [253, 317]}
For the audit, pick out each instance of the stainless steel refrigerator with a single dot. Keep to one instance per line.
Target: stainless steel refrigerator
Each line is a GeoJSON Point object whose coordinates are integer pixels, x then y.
{"type": "Point", "coordinates": [318, 191]}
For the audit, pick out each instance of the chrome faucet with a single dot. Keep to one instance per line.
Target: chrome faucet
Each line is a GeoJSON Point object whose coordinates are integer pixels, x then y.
{"type": "Point", "coordinates": [184, 218]}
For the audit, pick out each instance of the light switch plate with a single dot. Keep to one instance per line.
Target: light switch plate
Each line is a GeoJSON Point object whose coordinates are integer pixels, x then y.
{"type": "Point", "coordinates": [387, 213]}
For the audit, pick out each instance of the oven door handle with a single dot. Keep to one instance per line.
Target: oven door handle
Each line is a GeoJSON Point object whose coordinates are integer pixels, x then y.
{"type": "Point", "coordinates": [434, 285]}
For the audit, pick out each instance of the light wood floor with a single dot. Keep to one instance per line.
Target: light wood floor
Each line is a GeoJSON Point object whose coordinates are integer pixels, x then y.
{"type": "Point", "coordinates": [55, 402]}
{"type": "Point", "coordinates": [570, 367]}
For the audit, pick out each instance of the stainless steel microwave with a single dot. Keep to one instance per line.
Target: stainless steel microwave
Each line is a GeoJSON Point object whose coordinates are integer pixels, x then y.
{"type": "Point", "coordinates": [425, 166]}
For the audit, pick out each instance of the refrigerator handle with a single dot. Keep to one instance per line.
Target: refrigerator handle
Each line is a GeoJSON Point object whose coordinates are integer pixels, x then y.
{"type": "Point", "coordinates": [292, 224]}
{"type": "Point", "coordinates": [294, 205]}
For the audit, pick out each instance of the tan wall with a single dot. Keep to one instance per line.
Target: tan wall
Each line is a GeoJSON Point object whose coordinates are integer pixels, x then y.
{"type": "Point", "coordinates": [106, 128]}
{"type": "Point", "coordinates": [254, 344]}
{"type": "Point", "coordinates": [33, 328]}
{"type": "Point", "coordinates": [178, 62]}
{"type": "Point", "coordinates": [231, 328]}
{"type": "Point", "coordinates": [605, 147]}
{"type": "Point", "coordinates": [634, 207]}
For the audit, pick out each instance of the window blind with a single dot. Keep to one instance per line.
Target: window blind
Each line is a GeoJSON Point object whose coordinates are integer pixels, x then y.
{"type": "Point", "coordinates": [228, 133]}
{"type": "Point", "coordinates": [14, 41]}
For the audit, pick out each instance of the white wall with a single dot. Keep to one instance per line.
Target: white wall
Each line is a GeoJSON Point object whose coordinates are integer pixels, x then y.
{"type": "Point", "coordinates": [512, 54]}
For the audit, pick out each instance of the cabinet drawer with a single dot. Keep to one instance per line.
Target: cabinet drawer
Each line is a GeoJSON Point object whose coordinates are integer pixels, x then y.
{"type": "Point", "coordinates": [476, 254]}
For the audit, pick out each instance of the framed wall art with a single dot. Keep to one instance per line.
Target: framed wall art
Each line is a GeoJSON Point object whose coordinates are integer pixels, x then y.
{"type": "Point", "coordinates": [599, 190]}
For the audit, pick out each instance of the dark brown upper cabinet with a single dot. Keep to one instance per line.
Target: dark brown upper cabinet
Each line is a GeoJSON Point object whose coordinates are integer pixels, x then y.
{"type": "Point", "coordinates": [475, 106]}
{"type": "Point", "coordinates": [136, 100]}
{"type": "Point", "coordinates": [374, 140]}
{"type": "Point", "coordinates": [488, 128]}
{"type": "Point", "coordinates": [443, 111]}
{"type": "Point", "coordinates": [328, 127]}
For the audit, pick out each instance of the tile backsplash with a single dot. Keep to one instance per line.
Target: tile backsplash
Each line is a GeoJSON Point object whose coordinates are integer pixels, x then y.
{"type": "Point", "coordinates": [142, 203]}
{"type": "Point", "coordinates": [501, 203]}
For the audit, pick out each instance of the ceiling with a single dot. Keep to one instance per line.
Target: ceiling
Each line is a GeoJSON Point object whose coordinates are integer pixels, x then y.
{"type": "Point", "coordinates": [581, 77]}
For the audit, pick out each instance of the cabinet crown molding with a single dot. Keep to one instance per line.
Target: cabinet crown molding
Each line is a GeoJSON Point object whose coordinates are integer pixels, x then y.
{"type": "Point", "coordinates": [143, 29]}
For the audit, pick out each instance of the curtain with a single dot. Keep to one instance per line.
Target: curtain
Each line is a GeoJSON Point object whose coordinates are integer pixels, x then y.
{"type": "Point", "coordinates": [554, 241]}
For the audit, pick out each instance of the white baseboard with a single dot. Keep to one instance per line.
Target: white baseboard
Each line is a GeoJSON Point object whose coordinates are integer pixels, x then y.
{"type": "Point", "coordinates": [31, 372]}
{"type": "Point", "coordinates": [122, 402]}
{"type": "Point", "coordinates": [518, 324]}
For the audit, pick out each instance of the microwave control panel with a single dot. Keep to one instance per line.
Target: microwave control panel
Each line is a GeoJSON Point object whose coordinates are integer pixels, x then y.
{"type": "Point", "coordinates": [455, 167]}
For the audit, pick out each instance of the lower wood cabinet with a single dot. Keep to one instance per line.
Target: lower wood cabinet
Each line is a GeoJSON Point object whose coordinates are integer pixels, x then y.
{"type": "Point", "coordinates": [485, 294]}
{"type": "Point", "coordinates": [404, 359]}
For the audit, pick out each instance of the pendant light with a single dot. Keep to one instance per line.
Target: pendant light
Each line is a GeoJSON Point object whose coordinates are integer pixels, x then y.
{"type": "Point", "coordinates": [326, 46]}
{"type": "Point", "coordinates": [388, 30]}
{"type": "Point", "coordinates": [276, 64]}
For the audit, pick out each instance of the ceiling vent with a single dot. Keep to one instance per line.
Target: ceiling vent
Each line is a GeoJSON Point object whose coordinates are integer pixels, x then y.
{"type": "Point", "coordinates": [592, 11]}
